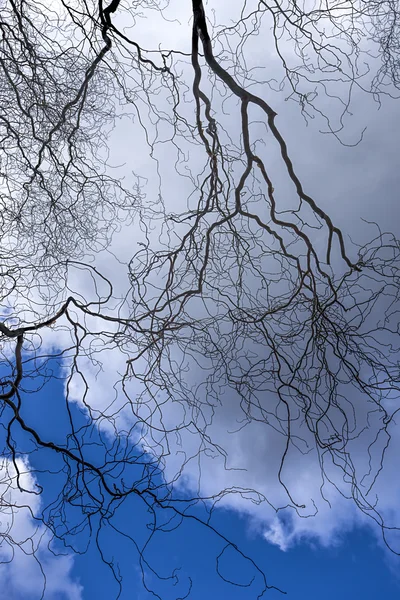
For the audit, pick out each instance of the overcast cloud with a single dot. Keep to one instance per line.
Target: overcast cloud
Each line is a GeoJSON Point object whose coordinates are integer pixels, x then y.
{"type": "Point", "coordinates": [350, 183]}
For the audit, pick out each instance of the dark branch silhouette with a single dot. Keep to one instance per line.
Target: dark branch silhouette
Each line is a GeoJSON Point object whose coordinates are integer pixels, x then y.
{"type": "Point", "coordinates": [227, 289]}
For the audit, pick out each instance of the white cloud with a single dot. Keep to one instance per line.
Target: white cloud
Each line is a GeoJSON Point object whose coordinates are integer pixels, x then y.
{"type": "Point", "coordinates": [28, 569]}
{"type": "Point", "coordinates": [253, 452]}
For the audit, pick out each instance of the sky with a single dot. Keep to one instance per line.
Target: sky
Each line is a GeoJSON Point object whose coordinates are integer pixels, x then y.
{"type": "Point", "coordinates": [352, 565]}
{"type": "Point", "coordinates": [337, 552]}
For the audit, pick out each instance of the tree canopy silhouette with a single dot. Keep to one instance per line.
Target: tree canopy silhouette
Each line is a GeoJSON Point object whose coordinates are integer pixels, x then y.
{"type": "Point", "coordinates": [202, 276]}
